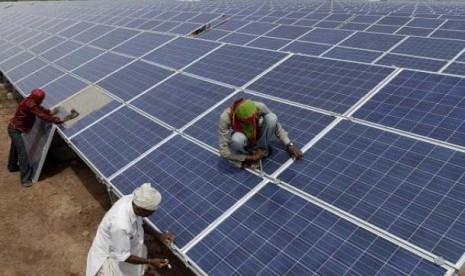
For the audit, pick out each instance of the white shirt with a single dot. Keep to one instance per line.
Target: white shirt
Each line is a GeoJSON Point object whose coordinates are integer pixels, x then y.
{"type": "Point", "coordinates": [119, 235]}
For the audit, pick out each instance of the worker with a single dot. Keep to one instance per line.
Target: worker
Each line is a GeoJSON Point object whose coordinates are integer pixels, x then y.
{"type": "Point", "coordinates": [245, 129]}
{"type": "Point", "coordinates": [22, 122]}
{"type": "Point", "coordinates": [118, 248]}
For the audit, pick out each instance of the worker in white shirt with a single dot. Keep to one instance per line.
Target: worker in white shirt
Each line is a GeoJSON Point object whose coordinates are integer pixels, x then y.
{"type": "Point", "coordinates": [118, 248]}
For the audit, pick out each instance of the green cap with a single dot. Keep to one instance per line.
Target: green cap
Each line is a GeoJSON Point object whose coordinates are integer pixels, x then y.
{"type": "Point", "coordinates": [246, 109]}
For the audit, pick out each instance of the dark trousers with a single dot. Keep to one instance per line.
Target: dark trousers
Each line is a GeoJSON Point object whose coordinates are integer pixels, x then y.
{"type": "Point", "coordinates": [18, 155]}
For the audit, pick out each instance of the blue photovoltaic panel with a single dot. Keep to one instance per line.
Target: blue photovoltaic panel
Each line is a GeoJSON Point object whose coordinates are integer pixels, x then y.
{"type": "Point", "coordinates": [142, 44]}
{"type": "Point", "coordinates": [267, 19]}
{"type": "Point", "coordinates": [457, 25]}
{"type": "Point", "coordinates": [232, 25]}
{"type": "Point", "coordinates": [287, 21]}
{"type": "Point", "coordinates": [393, 20]}
{"type": "Point", "coordinates": [425, 22]}
{"type": "Point", "coordinates": [365, 19]}
{"type": "Point", "coordinates": [149, 24]}
{"type": "Point", "coordinates": [306, 48]}
{"type": "Point", "coordinates": [371, 41]}
{"type": "Point", "coordinates": [449, 34]}
{"type": "Point", "coordinates": [317, 16]}
{"type": "Point", "coordinates": [427, 47]}
{"type": "Point", "coordinates": [278, 233]}
{"type": "Point", "coordinates": [461, 58]}
{"type": "Point", "coordinates": [167, 101]}
{"type": "Point", "coordinates": [15, 61]}
{"type": "Point", "coordinates": [329, 84]}
{"type": "Point", "coordinates": [10, 51]}
{"type": "Point", "coordinates": [74, 30]}
{"type": "Point", "coordinates": [352, 54]}
{"type": "Point", "coordinates": [61, 26]}
{"type": "Point", "coordinates": [184, 16]}
{"type": "Point", "coordinates": [166, 26]}
{"type": "Point", "coordinates": [167, 15]}
{"type": "Point", "coordinates": [101, 66]}
{"type": "Point", "coordinates": [213, 34]}
{"type": "Point", "coordinates": [456, 68]}
{"type": "Point", "coordinates": [92, 33]}
{"type": "Point", "coordinates": [257, 28]}
{"type": "Point", "coordinates": [197, 186]}
{"type": "Point", "coordinates": [383, 29]}
{"type": "Point", "coordinates": [423, 103]}
{"type": "Point", "coordinates": [234, 65]}
{"type": "Point", "coordinates": [133, 79]}
{"type": "Point", "coordinates": [268, 43]}
{"type": "Point", "coordinates": [327, 24]}
{"type": "Point", "coordinates": [118, 139]}
{"type": "Point", "coordinates": [61, 89]}
{"type": "Point", "coordinates": [185, 28]}
{"type": "Point", "coordinates": [204, 18]}
{"type": "Point", "coordinates": [78, 57]}
{"type": "Point", "coordinates": [84, 122]}
{"type": "Point", "coordinates": [327, 36]}
{"type": "Point", "coordinates": [412, 189]}
{"type": "Point", "coordinates": [134, 23]}
{"type": "Point", "coordinates": [302, 126]}
{"type": "Point", "coordinates": [414, 31]}
{"type": "Point", "coordinates": [180, 52]}
{"type": "Point", "coordinates": [34, 39]}
{"type": "Point", "coordinates": [288, 32]}
{"type": "Point", "coordinates": [354, 26]}
{"type": "Point", "coordinates": [46, 45]}
{"type": "Point", "coordinates": [238, 38]}
{"type": "Point", "coordinates": [25, 69]}
{"type": "Point", "coordinates": [114, 38]}
{"type": "Point", "coordinates": [22, 36]}
{"type": "Point", "coordinates": [60, 50]}
{"type": "Point", "coordinates": [39, 78]}
{"type": "Point", "coordinates": [305, 22]}
{"type": "Point", "coordinates": [412, 62]}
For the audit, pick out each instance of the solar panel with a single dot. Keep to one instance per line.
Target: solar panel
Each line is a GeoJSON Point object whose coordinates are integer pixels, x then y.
{"type": "Point", "coordinates": [142, 44]}
{"type": "Point", "coordinates": [234, 65]}
{"type": "Point", "coordinates": [78, 57]}
{"type": "Point", "coordinates": [39, 78]}
{"type": "Point", "coordinates": [133, 79]}
{"type": "Point", "coordinates": [365, 18]}
{"type": "Point", "coordinates": [114, 38]}
{"type": "Point", "coordinates": [383, 29]}
{"type": "Point", "coordinates": [180, 52]}
{"type": "Point", "coordinates": [423, 103]}
{"type": "Point", "coordinates": [101, 66]}
{"type": "Point", "coordinates": [456, 68]}
{"type": "Point", "coordinates": [329, 84]}
{"type": "Point", "coordinates": [213, 34]}
{"type": "Point", "coordinates": [278, 233]}
{"type": "Point", "coordinates": [427, 47]}
{"type": "Point", "coordinates": [15, 60]}
{"type": "Point", "coordinates": [184, 16]}
{"type": "Point", "coordinates": [404, 186]}
{"type": "Point", "coordinates": [75, 29]}
{"type": "Point", "coordinates": [167, 101]}
{"type": "Point", "coordinates": [354, 26]}
{"type": "Point", "coordinates": [63, 25]}
{"type": "Point", "coordinates": [327, 24]}
{"type": "Point", "coordinates": [268, 43]}
{"type": "Point", "coordinates": [46, 45]}
{"type": "Point", "coordinates": [166, 26]}
{"type": "Point", "coordinates": [204, 18]}
{"type": "Point", "coordinates": [257, 28]}
{"type": "Point", "coordinates": [449, 34]}
{"type": "Point", "coordinates": [237, 38]}
{"type": "Point", "coordinates": [414, 31]}
{"type": "Point", "coordinates": [61, 89]}
{"type": "Point", "coordinates": [92, 33]}
{"type": "Point", "coordinates": [196, 185]}
{"type": "Point", "coordinates": [302, 125]}
{"type": "Point", "coordinates": [118, 139]}
{"type": "Point", "coordinates": [25, 69]}
{"type": "Point", "coordinates": [352, 54]}
{"type": "Point", "coordinates": [393, 20]}
{"type": "Point", "coordinates": [60, 50]}
{"type": "Point", "coordinates": [149, 24]}
{"type": "Point", "coordinates": [326, 36]}
{"type": "Point", "coordinates": [232, 25]}
{"type": "Point", "coordinates": [457, 25]}
{"type": "Point", "coordinates": [306, 48]}
{"type": "Point", "coordinates": [34, 39]}
{"type": "Point", "coordinates": [412, 62]}
{"type": "Point", "coordinates": [425, 22]}
{"type": "Point", "coordinates": [372, 41]}
{"type": "Point", "coordinates": [288, 32]}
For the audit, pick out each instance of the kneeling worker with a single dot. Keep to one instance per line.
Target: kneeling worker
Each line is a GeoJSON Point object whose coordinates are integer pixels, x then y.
{"type": "Point", "coordinates": [245, 128]}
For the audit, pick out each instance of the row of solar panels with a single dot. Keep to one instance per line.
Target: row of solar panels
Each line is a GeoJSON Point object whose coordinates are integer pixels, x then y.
{"type": "Point", "coordinates": [410, 188]}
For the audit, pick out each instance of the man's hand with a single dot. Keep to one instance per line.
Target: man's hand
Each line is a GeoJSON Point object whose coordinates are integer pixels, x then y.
{"type": "Point", "coordinates": [257, 155]}
{"type": "Point", "coordinates": [167, 237]}
{"type": "Point", "coordinates": [54, 110]}
{"type": "Point", "coordinates": [71, 116]}
{"type": "Point", "coordinates": [159, 263]}
{"type": "Point", "coordinates": [295, 153]}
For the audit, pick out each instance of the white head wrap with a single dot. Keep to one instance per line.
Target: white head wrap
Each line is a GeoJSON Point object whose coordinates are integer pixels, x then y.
{"type": "Point", "coordinates": [147, 197]}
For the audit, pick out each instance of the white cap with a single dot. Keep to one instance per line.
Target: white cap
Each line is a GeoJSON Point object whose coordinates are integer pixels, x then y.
{"type": "Point", "coordinates": [147, 197]}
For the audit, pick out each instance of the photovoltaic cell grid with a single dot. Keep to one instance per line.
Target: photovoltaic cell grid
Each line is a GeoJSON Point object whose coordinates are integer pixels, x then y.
{"type": "Point", "coordinates": [278, 233]}
{"type": "Point", "coordinates": [133, 79]}
{"type": "Point", "coordinates": [372, 41]}
{"type": "Point", "coordinates": [427, 104]}
{"type": "Point", "coordinates": [196, 185]}
{"type": "Point", "coordinates": [61, 89]}
{"type": "Point", "coordinates": [328, 84]}
{"type": "Point", "coordinates": [352, 54]}
{"type": "Point", "coordinates": [234, 65]}
{"type": "Point", "coordinates": [142, 44]}
{"type": "Point", "coordinates": [102, 66]}
{"type": "Point", "coordinates": [302, 126]}
{"type": "Point", "coordinates": [456, 68]}
{"type": "Point", "coordinates": [409, 188]}
{"type": "Point", "coordinates": [433, 48]}
{"type": "Point", "coordinates": [412, 62]}
{"type": "Point", "coordinates": [180, 52]}
{"type": "Point", "coordinates": [167, 102]}
{"type": "Point", "coordinates": [60, 50]}
{"type": "Point", "coordinates": [39, 78]}
{"type": "Point", "coordinates": [118, 139]}
{"type": "Point", "coordinates": [76, 58]}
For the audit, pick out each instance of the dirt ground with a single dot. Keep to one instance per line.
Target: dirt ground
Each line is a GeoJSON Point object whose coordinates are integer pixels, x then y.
{"type": "Point", "coordinates": [47, 229]}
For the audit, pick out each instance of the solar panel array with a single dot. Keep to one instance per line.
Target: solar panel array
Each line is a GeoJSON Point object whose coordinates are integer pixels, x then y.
{"type": "Point", "coordinates": [371, 91]}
